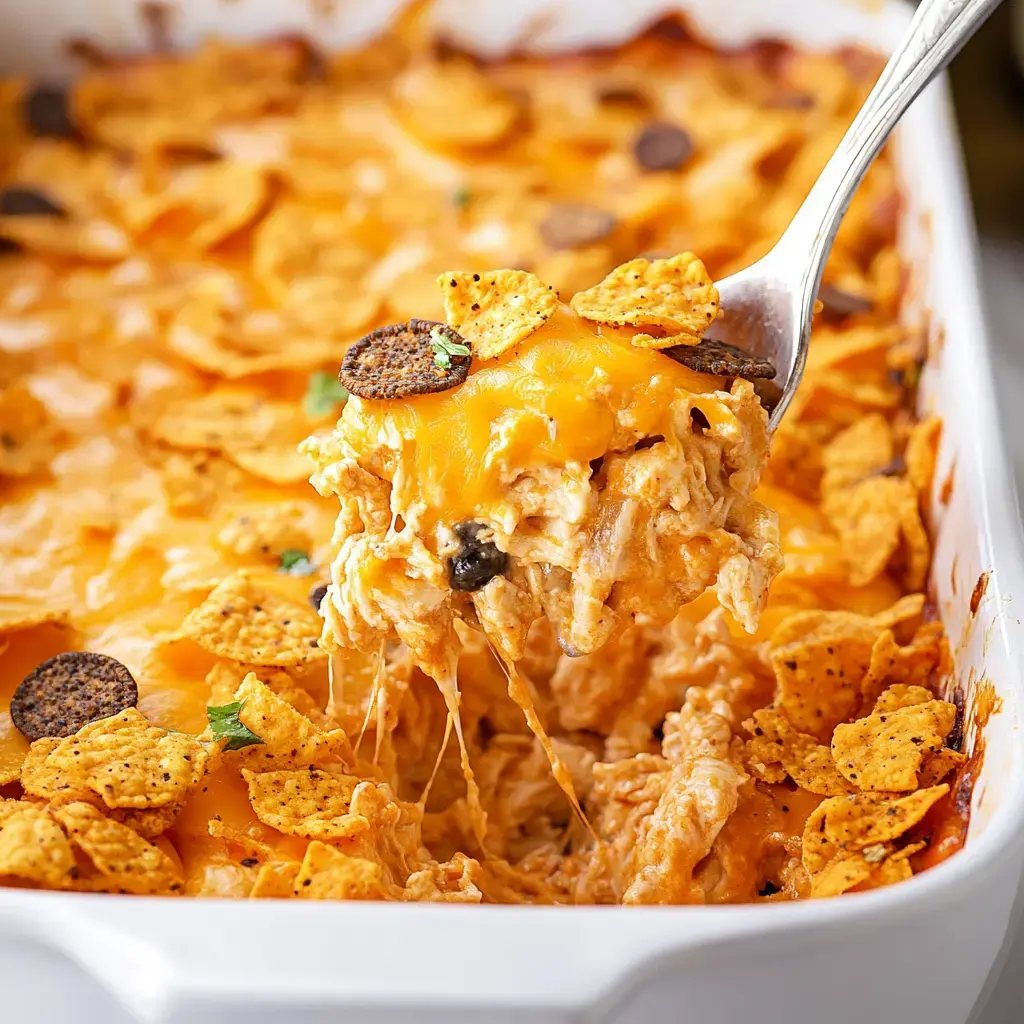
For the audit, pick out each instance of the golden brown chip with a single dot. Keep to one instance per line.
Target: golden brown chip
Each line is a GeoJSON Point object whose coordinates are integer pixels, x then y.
{"type": "Point", "coordinates": [94, 239]}
{"type": "Point", "coordinates": [675, 295]}
{"type": "Point", "coordinates": [226, 676]}
{"type": "Point", "coordinates": [28, 437]}
{"type": "Point", "coordinates": [193, 481]}
{"type": "Point", "coordinates": [246, 622]}
{"type": "Point", "coordinates": [921, 453]}
{"type": "Point", "coordinates": [126, 861]}
{"type": "Point", "coordinates": [818, 681]}
{"type": "Point", "coordinates": [275, 880]}
{"type": "Point", "coordinates": [265, 531]}
{"type": "Point", "coordinates": [901, 695]}
{"type": "Point", "coordinates": [884, 752]}
{"type": "Point", "coordinates": [496, 309]}
{"type": "Point", "coordinates": [329, 874]}
{"type": "Point", "coordinates": [865, 819]}
{"type": "Point", "coordinates": [839, 875]}
{"type": "Point", "coordinates": [23, 613]}
{"type": "Point", "coordinates": [210, 336]}
{"type": "Point", "coordinates": [312, 265]}
{"type": "Point", "coordinates": [125, 760]}
{"type": "Point", "coordinates": [226, 417]}
{"type": "Point", "coordinates": [200, 205]}
{"type": "Point", "coordinates": [856, 453]}
{"type": "Point", "coordinates": [808, 763]}
{"type": "Point", "coordinates": [280, 463]}
{"type": "Point", "coordinates": [453, 104]}
{"type": "Point", "coordinates": [314, 804]}
{"type": "Point", "coordinates": [892, 664]}
{"type": "Point", "coordinates": [32, 846]}
{"type": "Point", "coordinates": [877, 519]}
{"type": "Point", "coordinates": [290, 740]}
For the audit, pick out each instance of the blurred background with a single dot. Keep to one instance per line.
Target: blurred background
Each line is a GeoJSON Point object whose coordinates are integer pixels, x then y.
{"type": "Point", "coordinates": [988, 85]}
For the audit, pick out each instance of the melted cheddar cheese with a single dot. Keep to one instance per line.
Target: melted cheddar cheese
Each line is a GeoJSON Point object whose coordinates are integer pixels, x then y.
{"type": "Point", "coordinates": [563, 396]}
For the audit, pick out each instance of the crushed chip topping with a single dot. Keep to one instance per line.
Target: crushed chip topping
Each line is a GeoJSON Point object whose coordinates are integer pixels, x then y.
{"type": "Point", "coordinates": [294, 596]}
{"type": "Point", "coordinates": [246, 622]}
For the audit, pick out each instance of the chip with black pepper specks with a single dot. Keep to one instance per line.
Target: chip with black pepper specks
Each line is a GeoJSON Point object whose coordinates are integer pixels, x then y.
{"type": "Point", "coordinates": [69, 691]}
{"type": "Point", "coordinates": [415, 358]}
{"type": "Point", "coordinates": [709, 356]}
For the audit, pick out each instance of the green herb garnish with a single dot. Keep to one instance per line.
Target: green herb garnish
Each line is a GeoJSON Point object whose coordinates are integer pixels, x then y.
{"type": "Point", "coordinates": [296, 562]}
{"type": "Point", "coordinates": [226, 726]}
{"type": "Point", "coordinates": [445, 349]}
{"type": "Point", "coordinates": [461, 197]}
{"type": "Point", "coordinates": [323, 395]}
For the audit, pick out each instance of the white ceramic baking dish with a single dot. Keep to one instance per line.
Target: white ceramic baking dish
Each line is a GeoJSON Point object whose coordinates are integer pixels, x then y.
{"type": "Point", "coordinates": [918, 951]}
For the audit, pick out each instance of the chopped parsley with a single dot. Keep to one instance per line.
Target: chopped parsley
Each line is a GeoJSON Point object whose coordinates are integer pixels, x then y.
{"type": "Point", "coordinates": [445, 349]}
{"type": "Point", "coordinates": [296, 562]}
{"type": "Point", "coordinates": [226, 726]}
{"type": "Point", "coordinates": [324, 394]}
{"type": "Point", "coordinates": [461, 197]}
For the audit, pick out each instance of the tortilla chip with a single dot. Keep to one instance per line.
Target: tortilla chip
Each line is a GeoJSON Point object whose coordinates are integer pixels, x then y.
{"type": "Point", "coordinates": [911, 666]}
{"type": "Point", "coordinates": [496, 309]}
{"type": "Point", "coordinates": [329, 874]}
{"type": "Point", "coordinates": [921, 453]}
{"type": "Point", "coordinates": [148, 822]}
{"type": "Point", "coordinates": [857, 453]}
{"type": "Point", "coordinates": [126, 862]}
{"type": "Point", "coordinates": [33, 848]}
{"type": "Point", "coordinates": [264, 531]}
{"type": "Point", "coordinates": [310, 262]}
{"type": "Point", "coordinates": [224, 417]}
{"type": "Point", "coordinates": [243, 621]}
{"type": "Point", "coordinates": [901, 695]}
{"type": "Point", "coordinates": [675, 295]}
{"type": "Point", "coordinates": [895, 867]}
{"type": "Point", "coordinates": [808, 763]}
{"type": "Point", "coordinates": [275, 880]}
{"type": "Point", "coordinates": [452, 103]}
{"type": "Point", "coordinates": [226, 676]}
{"type": "Point", "coordinates": [201, 204]}
{"type": "Point", "coordinates": [279, 463]}
{"type": "Point", "coordinates": [314, 804]}
{"type": "Point", "coordinates": [93, 239]}
{"type": "Point", "coordinates": [938, 766]}
{"type": "Point", "coordinates": [290, 740]}
{"type": "Point", "coordinates": [839, 875]}
{"type": "Point", "coordinates": [208, 335]}
{"type": "Point", "coordinates": [194, 480]}
{"type": "Point", "coordinates": [28, 436]}
{"type": "Point", "coordinates": [865, 819]}
{"type": "Point", "coordinates": [818, 681]}
{"type": "Point", "coordinates": [874, 519]}
{"type": "Point", "coordinates": [247, 839]}
{"type": "Point", "coordinates": [884, 752]}
{"type": "Point", "coordinates": [125, 760]}
{"type": "Point", "coordinates": [22, 613]}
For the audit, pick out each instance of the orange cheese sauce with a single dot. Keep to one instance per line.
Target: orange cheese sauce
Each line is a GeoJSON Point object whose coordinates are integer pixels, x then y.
{"type": "Point", "coordinates": [557, 398]}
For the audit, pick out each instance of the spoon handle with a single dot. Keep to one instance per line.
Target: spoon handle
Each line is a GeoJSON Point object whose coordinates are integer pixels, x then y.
{"type": "Point", "coordinates": [936, 34]}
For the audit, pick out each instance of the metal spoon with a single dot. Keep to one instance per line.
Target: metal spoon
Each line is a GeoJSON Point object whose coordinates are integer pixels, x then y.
{"type": "Point", "coordinates": [767, 307]}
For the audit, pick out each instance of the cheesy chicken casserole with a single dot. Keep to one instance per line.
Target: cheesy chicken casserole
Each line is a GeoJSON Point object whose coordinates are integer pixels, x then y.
{"type": "Point", "coordinates": [336, 563]}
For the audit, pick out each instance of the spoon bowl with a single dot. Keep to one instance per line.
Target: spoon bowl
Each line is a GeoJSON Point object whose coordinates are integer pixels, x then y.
{"type": "Point", "coordinates": [767, 307]}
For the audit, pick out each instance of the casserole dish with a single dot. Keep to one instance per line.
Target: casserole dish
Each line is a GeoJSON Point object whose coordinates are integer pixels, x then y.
{"type": "Point", "coordinates": [875, 954]}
